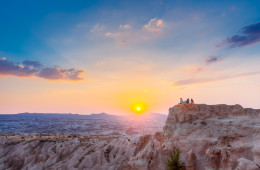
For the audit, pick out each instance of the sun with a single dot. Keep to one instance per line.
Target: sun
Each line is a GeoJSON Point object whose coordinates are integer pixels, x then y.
{"type": "Point", "coordinates": [138, 107]}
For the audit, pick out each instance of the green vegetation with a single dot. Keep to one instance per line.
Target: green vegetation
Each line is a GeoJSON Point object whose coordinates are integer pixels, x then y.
{"type": "Point", "coordinates": [174, 162]}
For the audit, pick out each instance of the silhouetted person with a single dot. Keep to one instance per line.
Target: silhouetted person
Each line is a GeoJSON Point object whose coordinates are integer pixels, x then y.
{"type": "Point", "coordinates": [188, 101]}
{"type": "Point", "coordinates": [181, 101]}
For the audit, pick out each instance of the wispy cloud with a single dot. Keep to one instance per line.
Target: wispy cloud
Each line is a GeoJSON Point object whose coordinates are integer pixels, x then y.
{"type": "Point", "coordinates": [210, 80]}
{"type": "Point", "coordinates": [125, 27]}
{"type": "Point", "coordinates": [212, 60]}
{"type": "Point", "coordinates": [34, 68]}
{"type": "Point", "coordinates": [250, 35]}
{"type": "Point", "coordinates": [154, 91]}
{"type": "Point", "coordinates": [97, 28]}
{"type": "Point", "coordinates": [202, 66]}
{"type": "Point", "coordinates": [127, 33]}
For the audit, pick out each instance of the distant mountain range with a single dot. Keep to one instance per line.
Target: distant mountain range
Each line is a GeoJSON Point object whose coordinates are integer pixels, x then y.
{"type": "Point", "coordinates": [156, 116]}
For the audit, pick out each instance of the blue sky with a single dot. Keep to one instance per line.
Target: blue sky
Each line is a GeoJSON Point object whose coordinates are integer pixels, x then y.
{"type": "Point", "coordinates": [125, 46]}
{"type": "Point", "coordinates": [26, 23]}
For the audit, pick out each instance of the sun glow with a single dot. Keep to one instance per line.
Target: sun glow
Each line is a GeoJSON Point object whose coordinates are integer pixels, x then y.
{"type": "Point", "coordinates": [138, 107]}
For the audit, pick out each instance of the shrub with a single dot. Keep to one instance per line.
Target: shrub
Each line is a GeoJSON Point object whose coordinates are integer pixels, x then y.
{"type": "Point", "coordinates": [174, 162]}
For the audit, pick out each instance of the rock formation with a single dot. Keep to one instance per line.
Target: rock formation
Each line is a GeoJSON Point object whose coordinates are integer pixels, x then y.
{"type": "Point", "coordinates": [191, 160]}
{"type": "Point", "coordinates": [210, 137]}
{"type": "Point", "coordinates": [218, 134]}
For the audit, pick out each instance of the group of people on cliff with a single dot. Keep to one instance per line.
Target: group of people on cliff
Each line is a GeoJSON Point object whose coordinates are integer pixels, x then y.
{"type": "Point", "coordinates": [188, 101]}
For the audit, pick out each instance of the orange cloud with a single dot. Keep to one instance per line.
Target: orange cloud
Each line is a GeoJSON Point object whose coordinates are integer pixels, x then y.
{"type": "Point", "coordinates": [124, 26]}
{"type": "Point", "coordinates": [108, 34]}
{"type": "Point", "coordinates": [154, 25]}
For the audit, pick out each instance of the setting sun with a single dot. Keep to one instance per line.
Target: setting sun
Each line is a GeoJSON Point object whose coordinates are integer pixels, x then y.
{"type": "Point", "coordinates": [138, 107]}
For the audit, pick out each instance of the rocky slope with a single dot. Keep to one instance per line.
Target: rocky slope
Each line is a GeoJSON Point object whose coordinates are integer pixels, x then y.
{"type": "Point", "coordinates": [210, 137]}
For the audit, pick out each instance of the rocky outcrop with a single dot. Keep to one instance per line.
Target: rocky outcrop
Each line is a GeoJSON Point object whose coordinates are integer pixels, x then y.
{"type": "Point", "coordinates": [210, 137]}
{"type": "Point", "coordinates": [219, 135]}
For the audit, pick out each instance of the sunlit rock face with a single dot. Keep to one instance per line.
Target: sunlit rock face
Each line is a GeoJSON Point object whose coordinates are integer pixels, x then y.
{"type": "Point", "coordinates": [211, 137]}
{"type": "Point", "coordinates": [219, 135]}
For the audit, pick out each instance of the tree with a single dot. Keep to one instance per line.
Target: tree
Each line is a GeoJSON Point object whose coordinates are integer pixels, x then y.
{"type": "Point", "coordinates": [174, 162]}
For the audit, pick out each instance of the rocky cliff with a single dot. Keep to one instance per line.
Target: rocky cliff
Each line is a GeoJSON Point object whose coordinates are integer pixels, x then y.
{"type": "Point", "coordinates": [221, 136]}
{"type": "Point", "coordinates": [211, 137]}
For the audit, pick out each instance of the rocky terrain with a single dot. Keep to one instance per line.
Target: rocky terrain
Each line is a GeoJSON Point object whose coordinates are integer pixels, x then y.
{"type": "Point", "coordinates": [210, 137]}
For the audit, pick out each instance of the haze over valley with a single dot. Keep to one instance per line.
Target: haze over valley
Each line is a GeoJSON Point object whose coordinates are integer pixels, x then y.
{"type": "Point", "coordinates": [74, 124]}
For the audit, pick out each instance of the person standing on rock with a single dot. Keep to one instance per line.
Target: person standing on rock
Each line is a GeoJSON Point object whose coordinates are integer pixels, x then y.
{"type": "Point", "coordinates": [191, 101]}
{"type": "Point", "coordinates": [181, 101]}
{"type": "Point", "coordinates": [188, 101]}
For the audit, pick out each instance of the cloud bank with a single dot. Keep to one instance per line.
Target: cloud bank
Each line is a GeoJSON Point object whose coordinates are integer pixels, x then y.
{"type": "Point", "coordinates": [34, 68]}
{"type": "Point", "coordinates": [250, 35]}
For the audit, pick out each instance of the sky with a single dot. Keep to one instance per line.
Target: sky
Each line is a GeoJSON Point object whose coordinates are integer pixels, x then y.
{"type": "Point", "coordinates": [93, 56]}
